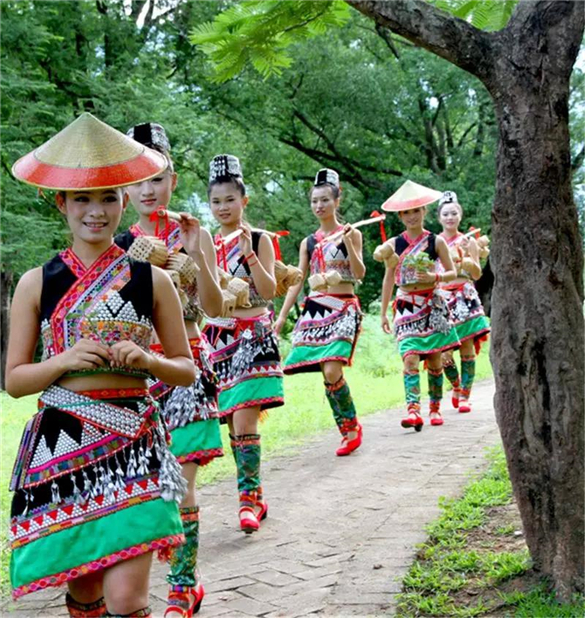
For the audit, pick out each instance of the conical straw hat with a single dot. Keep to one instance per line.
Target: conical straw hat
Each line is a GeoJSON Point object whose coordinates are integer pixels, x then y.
{"type": "Point", "coordinates": [88, 154]}
{"type": "Point", "coordinates": [410, 195]}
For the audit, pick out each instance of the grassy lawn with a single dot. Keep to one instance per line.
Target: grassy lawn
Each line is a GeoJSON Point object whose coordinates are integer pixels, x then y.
{"type": "Point", "coordinates": [375, 381]}
{"type": "Point", "coordinates": [476, 563]}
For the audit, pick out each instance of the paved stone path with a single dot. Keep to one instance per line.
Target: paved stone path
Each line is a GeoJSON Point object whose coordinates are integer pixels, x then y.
{"type": "Point", "coordinates": [341, 532]}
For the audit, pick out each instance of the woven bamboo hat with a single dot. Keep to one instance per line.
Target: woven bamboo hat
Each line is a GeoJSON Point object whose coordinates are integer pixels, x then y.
{"type": "Point", "coordinates": [410, 195]}
{"type": "Point", "coordinates": [88, 154]}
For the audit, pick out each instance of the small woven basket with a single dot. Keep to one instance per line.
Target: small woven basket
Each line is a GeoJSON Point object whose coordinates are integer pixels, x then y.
{"type": "Point", "coordinates": [149, 249]}
{"type": "Point", "coordinates": [185, 266]}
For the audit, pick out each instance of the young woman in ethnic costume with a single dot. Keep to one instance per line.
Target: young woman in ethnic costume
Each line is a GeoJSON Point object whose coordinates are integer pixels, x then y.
{"type": "Point", "coordinates": [95, 485]}
{"type": "Point", "coordinates": [191, 413]}
{"type": "Point", "coordinates": [325, 335]}
{"type": "Point", "coordinates": [465, 307]}
{"type": "Point", "coordinates": [245, 356]}
{"type": "Point", "coordinates": [421, 318]}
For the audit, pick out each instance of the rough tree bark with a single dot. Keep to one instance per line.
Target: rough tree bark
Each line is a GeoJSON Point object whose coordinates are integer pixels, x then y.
{"type": "Point", "coordinates": [538, 332]}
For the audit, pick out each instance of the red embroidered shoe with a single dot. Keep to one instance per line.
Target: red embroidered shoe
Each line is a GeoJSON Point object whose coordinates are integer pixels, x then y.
{"type": "Point", "coordinates": [178, 602]}
{"type": "Point", "coordinates": [197, 593]}
{"type": "Point", "coordinates": [464, 407]}
{"type": "Point", "coordinates": [248, 520]}
{"type": "Point", "coordinates": [455, 397]}
{"type": "Point", "coordinates": [262, 514]}
{"type": "Point", "coordinates": [436, 418]}
{"type": "Point", "coordinates": [348, 446]}
{"type": "Point", "coordinates": [414, 420]}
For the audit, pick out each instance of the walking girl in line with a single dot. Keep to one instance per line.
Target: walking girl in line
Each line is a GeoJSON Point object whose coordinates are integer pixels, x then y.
{"type": "Point", "coordinates": [245, 352]}
{"type": "Point", "coordinates": [190, 414]}
{"type": "Point", "coordinates": [95, 486]}
{"type": "Point", "coordinates": [421, 318]}
{"type": "Point", "coordinates": [325, 335]}
{"type": "Point", "coordinates": [465, 307]}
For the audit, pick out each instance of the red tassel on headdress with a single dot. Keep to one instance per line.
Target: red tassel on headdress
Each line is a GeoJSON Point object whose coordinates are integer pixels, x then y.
{"type": "Point", "coordinates": [375, 213]}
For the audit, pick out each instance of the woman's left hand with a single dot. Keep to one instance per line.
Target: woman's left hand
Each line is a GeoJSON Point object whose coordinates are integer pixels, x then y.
{"type": "Point", "coordinates": [190, 233]}
{"type": "Point", "coordinates": [426, 277]}
{"type": "Point", "coordinates": [246, 239]}
{"type": "Point", "coordinates": [348, 234]}
{"type": "Point", "coordinates": [127, 353]}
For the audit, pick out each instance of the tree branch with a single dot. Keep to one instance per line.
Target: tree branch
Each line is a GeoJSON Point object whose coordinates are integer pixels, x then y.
{"type": "Point", "coordinates": [438, 32]}
{"type": "Point", "coordinates": [387, 38]}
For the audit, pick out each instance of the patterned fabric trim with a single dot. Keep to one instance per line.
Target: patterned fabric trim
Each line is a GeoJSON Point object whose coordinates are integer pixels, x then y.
{"type": "Point", "coordinates": [93, 309]}
{"type": "Point", "coordinates": [97, 565]}
{"type": "Point", "coordinates": [326, 321]}
{"type": "Point", "coordinates": [201, 458]}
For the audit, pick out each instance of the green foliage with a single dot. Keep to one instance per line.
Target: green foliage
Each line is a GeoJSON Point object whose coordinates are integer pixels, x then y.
{"type": "Point", "coordinates": [483, 14]}
{"type": "Point", "coordinates": [259, 32]}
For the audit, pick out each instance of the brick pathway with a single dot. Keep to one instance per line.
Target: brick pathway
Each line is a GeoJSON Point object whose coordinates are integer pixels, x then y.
{"type": "Point", "coordinates": [341, 532]}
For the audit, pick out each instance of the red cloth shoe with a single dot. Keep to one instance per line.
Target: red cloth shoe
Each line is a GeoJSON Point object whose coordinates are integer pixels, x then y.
{"type": "Point", "coordinates": [464, 407]}
{"type": "Point", "coordinates": [178, 603]}
{"type": "Point", "coordinates": [349, 446]}
{"type": "Point", "coordinates": [250, 522]}
{"type": "Point", "coordinates": [414, 419]}
{"type": "Point", "coordinates": [436, 418]}
{"type": "Point", "coordinates": [455, 397]}
{"type": "Point", "coordinates": [197, 593]}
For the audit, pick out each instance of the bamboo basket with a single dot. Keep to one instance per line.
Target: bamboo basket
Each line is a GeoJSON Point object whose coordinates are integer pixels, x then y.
{"type": "Point", "coordinates": [185, 266]}
{"type": "Point", "coordinates": [319, 281]}
{"type": "Point", "coordinates": [241, 290]}
{"type": "Point", "coordinates": [149, 249]}
{"type": "Point", "coordinates": [229, 304]}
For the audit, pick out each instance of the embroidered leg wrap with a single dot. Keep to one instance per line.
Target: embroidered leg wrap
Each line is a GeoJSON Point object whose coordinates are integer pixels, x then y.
{"type": "Point", "coordinates": [248, 463]}
{"type": "Point", "coordinates": [452, 373]}
{"type": "Point", "coordinates": [435, 388]}
{"type": "Point", "coordinates": [341, 403]}
{"type": "Point", "coordinates": [85, 610]}
{"type": "Point", "coordinates": [467, 376]}
{"type": "Point", "coordinates": [233, 442]}
{"type": "Point", "coordinates": [145, 612]}
{"type": "Point", "coordinates": [412, 390]}
{"type": "Point", "coordinates": [183, 560]}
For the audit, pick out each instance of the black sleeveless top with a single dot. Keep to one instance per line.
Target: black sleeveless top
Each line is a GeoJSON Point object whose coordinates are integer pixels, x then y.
{"type": "Point", "coordinates": [110, 301]}
{"type": "Point", "coordinates": [401, 244]}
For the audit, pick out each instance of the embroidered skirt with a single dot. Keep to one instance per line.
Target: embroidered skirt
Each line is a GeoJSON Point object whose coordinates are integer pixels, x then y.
{"type": "Point", "coordinates": [422, 324]}
{"type": "Point", "coordinates": [467, 313]}
{"type": "Point", "coordinates": [327, 330]}
{"type": "Point", "coordinates": [247, 362]}
{"type": "Point", "coordinates": [190, 413]}
{"type": "Point", "coordinates": [94, 484]}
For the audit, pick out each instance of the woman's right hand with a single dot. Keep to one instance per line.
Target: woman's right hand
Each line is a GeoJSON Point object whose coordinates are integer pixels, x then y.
{"type": "Point", "coordinates": [386, 325]}
{"type": "Point", "coordinates": [278, 326]}
{"type": "Point", "coordinates": [85, 354]}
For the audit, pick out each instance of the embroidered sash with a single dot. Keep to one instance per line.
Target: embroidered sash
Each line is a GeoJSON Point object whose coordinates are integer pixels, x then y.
{"type": "Point", "coordinates": [416, 246]}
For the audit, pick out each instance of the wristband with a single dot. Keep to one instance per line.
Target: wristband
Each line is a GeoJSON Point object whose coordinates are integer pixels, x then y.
{"type": "Point", "coordinates": [250, 256]}
{"type": "Point", "coordinates": [437, 277]}
{"type": "Point", "coordinates": [252, 263]}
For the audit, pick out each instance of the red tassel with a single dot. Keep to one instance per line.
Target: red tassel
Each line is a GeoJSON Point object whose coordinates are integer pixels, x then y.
{"type": "Point", "coordinates": [375, 213]}
{"type": "Point", "coordinates": [276, 243]}
{"type": "Point", "coordinates": [156, 216]}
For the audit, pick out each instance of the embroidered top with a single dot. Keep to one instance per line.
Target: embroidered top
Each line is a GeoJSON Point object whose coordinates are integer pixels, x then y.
{"type": "Point", "coordinates": [328, 256]}
{"type": "Point", "coordinates": [413, 248]}
{"type": "Point", "coordinates": [171, 235]}
{"type": "Point", "coordinates": [108, 302]}
{"type": "Point", "coordinates": [453, 244]}
{"type": "Point", "coordinates": [233, 261]}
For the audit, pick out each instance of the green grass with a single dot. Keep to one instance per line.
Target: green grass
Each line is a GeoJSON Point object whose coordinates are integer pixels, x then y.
{"type": "Point", "coordinates": [455, 577]}
{"type": "Point", "coordinates": [375, 381]}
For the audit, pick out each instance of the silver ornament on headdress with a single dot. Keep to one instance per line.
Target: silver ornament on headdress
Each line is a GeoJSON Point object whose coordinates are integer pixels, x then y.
{"type": "Point", "coordinates": [152, 135]}
{"type": "Point", "coordinates": [224, 166]}
{"type": "Point", "coordinates": [328, 176]}
{"type": "Point", "coordinates": [449, 197]}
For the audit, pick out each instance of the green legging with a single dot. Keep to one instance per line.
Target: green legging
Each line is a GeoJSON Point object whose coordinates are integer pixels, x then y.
{"type": "Point", "coordinates": [341, 402]}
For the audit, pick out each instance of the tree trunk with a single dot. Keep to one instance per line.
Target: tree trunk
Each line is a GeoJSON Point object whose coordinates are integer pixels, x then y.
{"type": "Point", "coordinates": [5, 296]}
{"type": "Point", "coordinates": [537, 302]}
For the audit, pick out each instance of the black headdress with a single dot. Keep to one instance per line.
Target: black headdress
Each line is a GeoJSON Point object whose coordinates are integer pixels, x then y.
{"type": "Point", "coordinates": [152, 135]}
